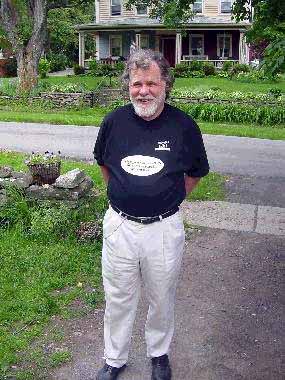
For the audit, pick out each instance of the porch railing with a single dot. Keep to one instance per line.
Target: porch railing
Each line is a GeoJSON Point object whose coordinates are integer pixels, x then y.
{"type": "Point", "coordinates": [218, 63]}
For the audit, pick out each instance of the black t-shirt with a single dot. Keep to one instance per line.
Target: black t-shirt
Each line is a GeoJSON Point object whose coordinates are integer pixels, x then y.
{"type": "Point", "coordinates": [147, 160]}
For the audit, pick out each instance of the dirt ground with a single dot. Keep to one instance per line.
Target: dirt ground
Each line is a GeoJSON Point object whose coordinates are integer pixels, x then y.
{"type": "Point", "coordinates": [228, 317]}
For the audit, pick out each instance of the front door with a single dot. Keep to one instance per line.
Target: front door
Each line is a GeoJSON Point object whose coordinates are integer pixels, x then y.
{"type": "Point", "coordinates": [168, 49]}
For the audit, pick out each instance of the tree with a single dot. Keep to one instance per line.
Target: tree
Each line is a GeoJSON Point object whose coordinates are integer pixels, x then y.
{"type": "Point", "coordinates": [25, 25]}
{"type": "Point", "coordinates": [267, 17]}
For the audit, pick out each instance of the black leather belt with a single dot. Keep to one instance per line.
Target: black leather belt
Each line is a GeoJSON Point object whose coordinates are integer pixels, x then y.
{"type": "Point", "coordinates": [145, 220]}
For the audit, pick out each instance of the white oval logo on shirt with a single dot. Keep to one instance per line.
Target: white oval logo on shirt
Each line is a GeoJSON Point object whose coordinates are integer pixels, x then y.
{"type": "Point", "coordinates": [142, 165]}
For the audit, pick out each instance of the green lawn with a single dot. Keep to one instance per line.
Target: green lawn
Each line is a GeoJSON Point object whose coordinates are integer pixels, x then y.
{"type": "Point", "coordinates": [42, 274]}
{"type": "Point", "coordinates": [228, 85]}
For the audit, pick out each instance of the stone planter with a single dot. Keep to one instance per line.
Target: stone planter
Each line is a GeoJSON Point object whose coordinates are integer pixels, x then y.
{"type": "Point", "coordinates": [44, 173]}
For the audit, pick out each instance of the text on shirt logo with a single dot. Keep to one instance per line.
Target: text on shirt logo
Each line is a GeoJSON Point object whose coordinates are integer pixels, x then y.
{"type": "Point", "coordinates": [162, 145]}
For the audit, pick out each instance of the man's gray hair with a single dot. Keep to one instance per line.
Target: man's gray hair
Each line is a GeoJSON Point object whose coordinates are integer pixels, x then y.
{"type": "Point", "coordinates": [142, 59]}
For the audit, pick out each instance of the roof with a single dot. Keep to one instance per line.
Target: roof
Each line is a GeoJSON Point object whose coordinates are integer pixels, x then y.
{"type": "Point", "coordinates": [149, 23]}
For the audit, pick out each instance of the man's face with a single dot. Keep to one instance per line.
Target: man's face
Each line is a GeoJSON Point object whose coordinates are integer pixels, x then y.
{"type": "Point", "coordinates": [147, 91]}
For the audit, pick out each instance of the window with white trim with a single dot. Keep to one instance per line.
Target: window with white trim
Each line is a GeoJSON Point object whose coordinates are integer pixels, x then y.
{"type": "Point", "coordinates": [144, 41]}
{"type": "Point", "coordinates": [196, 44]}
{"type": "Point", "coordinates": [141, 10]}
{"type": "Point", "coordinates": [116, 46]}
{"type": "Point", "coordinates": [226, 6]}
{"type": "Point", "coordinates": [116, 7]}
{"type": "Point", "coordinates": [224, 45]}
{"type": "Point", "coordinates": [198, 6]}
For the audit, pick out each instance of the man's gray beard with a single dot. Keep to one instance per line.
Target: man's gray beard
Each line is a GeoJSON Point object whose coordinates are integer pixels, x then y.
{"type": "Point", "coordinates": [151, 109]}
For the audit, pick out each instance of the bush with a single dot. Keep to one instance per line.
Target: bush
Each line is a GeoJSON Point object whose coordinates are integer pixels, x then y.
{"type": "Point", "coordinates": [10, 67]}
{"type": "Point", "coordinates": [227, 66]}
{"type": "Point", "coordinates": [239, 68]}
{"type": "Point", "coordinates": [44, 67]}
{"type": "Point", "coordinates": [209, 68]}
{"type": "Point", "coordinates": [275, 92]}
{"type": "Point", "coordinates": [197, 74]}
{"type": "Point", "coordinates": [196, 65]}
{"type": "Point", "coordinates": [49, 221]}
{"type": "Point", "coordinates": [248, 114]}
{"type": "Point", "coordinates": [181, 70]}
{"type": "Point", "coordinates": [9, 88]}
{"type": "Point", "coordinates": [78, 70]}
{"type": "Point", "coordinates": [58, 61]}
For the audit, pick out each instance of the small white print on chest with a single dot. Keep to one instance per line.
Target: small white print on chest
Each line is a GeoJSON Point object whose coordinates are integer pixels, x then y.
{"type": "Point", "coordinates": [142, 165]}
{"type": "Point", "coordinates": [162, 145]}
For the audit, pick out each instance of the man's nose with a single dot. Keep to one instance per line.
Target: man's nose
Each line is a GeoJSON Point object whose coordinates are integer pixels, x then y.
{"type": "Point", "coordinates": [144, 90]}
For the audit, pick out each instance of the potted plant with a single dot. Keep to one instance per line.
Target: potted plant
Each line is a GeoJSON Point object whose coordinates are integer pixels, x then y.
{"type": "Point", "coordinates": [45, 168]}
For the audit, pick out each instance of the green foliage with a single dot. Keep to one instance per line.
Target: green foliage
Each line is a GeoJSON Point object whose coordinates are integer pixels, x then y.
{"type": "Point", "coordinates": [78, 70]}
{"type": "Point", "coordinates": [239, 68]}
{"type": "Point", "coordinates": [227, 66]}
{"type": "Point", "coordinates": [44, 67]}
{"type": "Point", "coordinates": [209, 68]}
{"type": "Point", "coordinates": [16, 210]}
{"type": "Point", "coordinates": [8, 87]}
{"type": "Point", "coordinates": [49, 222]}
{"type": "Point", "coordinates": [67, 87]}
{"type": "Point", "coordinates": [58, 61]}
{"type": "Point", "coordinates": [235, 113]}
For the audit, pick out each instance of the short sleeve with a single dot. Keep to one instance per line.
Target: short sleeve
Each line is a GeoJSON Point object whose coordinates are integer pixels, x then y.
{"type": "Point", "coordinates": [100, 145]}
{"type": "Point", "coordinates": [195, 157]}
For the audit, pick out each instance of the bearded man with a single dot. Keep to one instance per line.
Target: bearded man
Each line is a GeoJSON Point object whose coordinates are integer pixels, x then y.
{"type": "Point", "coordinates": [151, 155]}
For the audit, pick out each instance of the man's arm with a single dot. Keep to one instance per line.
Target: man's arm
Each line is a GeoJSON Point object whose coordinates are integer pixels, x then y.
{"type": "Point", "coordinates": [105, 173]}
{"type": "Point", "coordinates": [190, 183]}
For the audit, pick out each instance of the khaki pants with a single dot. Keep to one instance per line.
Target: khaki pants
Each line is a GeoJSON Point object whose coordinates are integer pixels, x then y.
{"type": "Point", "coordinates": [134, 252]}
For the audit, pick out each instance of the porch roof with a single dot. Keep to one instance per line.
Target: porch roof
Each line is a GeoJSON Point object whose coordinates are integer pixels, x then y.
{"type": "Point", "coordinates": [126, 23]}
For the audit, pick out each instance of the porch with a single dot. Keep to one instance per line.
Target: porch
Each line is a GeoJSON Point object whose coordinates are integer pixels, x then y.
{"type": "Point", "coordinates": [216, 46]}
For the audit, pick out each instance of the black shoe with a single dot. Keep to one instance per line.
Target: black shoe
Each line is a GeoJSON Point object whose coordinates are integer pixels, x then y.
{"type": "Point", "coordinates": [109, 373]}
{"type": "Point", "coordinates": [160, 368]}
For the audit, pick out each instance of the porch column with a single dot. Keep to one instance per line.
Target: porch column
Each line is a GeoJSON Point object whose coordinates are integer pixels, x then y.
{"type": "Point", "coordinates": [156, 43]}
{"type": "Point", "coordinates": [138, 41]}
{"type": "Point", "coordinates": [243, 49]}
{"type": "Point", "coordinates": [97, 54]}
{"type": "Point", "coordinates": [178, 48]}
{"type": "Point", "coordinates": [81, 48]}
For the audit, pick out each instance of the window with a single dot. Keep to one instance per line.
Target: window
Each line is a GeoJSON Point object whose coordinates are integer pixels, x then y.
{"type": "Point", "coordinates": [196, 44]}
{"type": "Point", "coordinates": [224, 45]}
{"type": "Point", "coordinates": [198, 6]}
{"type": "Point", "coordinates": [226, 6]}
{"type": "Point", "coordinates": [115, 7]}
{"type": "Point", "coordinates": [144, 41]}
{"type": "Point", "coordinates": [142, 10]}
{"type": "Point", "coordinates": [115, 46]}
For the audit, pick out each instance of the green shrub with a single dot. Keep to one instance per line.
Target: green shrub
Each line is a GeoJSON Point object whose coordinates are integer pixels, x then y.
{"type": "Point", "coordinates": [239, 68]}
{"type": "Point", "coordinates": [209, 68]}
{"type": "Point", "coordinates": [197, 74]}
{"type": "Point", "coordinates": [93, 67]}
{"type": "Point", "coordinates": [181, 70]}
{"type": "Point", "coordinates": [44, 67]}
{"type": "Point", "coordinates": [78, 70]}
{"type": "Point", "coordinates": [275, 92]}
{"type": "Point", "coordinates": [16, 210]}
{"type": "Point", "coordinates": [227, 66]}
{"type": "Point", "coordinates": [49, 221]}
{"type": "Point", "coordinates": [196, 65]}
{"type": "Point", "coordinates": [8, 87]}
{"type": "Point", "coordinates": [58, 61]}
{"type": "Point", "coordinates": [235, 113]}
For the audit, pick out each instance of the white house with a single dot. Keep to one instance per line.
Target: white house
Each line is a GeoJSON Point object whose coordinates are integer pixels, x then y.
{"type": "Point", "coordinates": [212, 35]}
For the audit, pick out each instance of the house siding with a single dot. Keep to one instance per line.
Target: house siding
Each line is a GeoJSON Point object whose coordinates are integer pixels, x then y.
{"type": "Point", "coordinates": [210, 8]}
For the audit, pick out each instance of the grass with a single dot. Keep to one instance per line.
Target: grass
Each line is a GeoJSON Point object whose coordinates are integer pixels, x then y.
{"type": "Point", "coordinates": [227, 85]}
{"type": "Point", "coordinates": [41, 276]}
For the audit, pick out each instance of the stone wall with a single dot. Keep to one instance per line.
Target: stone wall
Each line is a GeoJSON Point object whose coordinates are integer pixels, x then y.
{"type": "Point", "coordinates": [69, 188]}
{"type": "Point", "coordinates": [101, 97]}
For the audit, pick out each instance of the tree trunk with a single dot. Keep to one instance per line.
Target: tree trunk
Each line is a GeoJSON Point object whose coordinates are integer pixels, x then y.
{"type": "Point", "coordinates": [27, 62]}
{"type": "Point", "coordinates": [28, 50]}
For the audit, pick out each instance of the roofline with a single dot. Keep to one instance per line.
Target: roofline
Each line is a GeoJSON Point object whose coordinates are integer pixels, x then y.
{"type": "Point", "coordinates": [136, 27]}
